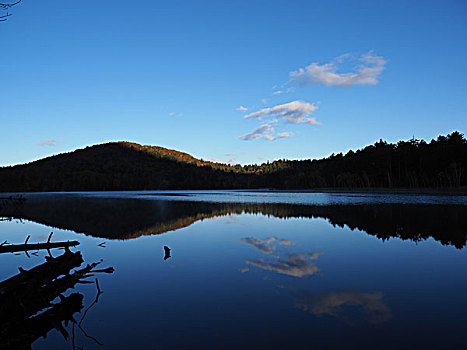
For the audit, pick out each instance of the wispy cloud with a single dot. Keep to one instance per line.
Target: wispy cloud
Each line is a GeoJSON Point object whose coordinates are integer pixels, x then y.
{"type": "Point", "coordinates": [285, 134]}
{"type": "Point", "coordinates": [334, 304]}
{"type": "Point", "coordinates": [242, 109]}
{"type": "Point", "coordinates": [232, 158]}
{"type": "Point", "coordinates": [286, 91]}
{"type": "Point", "coordinates": [295, 112]}
{"type": "Point", "coordinates": [367, 72]}
{"type": "Point", "coordinates": [262, 132]}
{"type": "Point", "coordinates": [173, 114]}
{"type": "Point", "coordinates": [49, 142]}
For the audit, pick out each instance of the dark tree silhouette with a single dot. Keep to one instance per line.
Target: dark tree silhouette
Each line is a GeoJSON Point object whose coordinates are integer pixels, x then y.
{"type": "Point", "coordinates": [412, 164]}
{"type": "Point", "coordinates": [4, 7]}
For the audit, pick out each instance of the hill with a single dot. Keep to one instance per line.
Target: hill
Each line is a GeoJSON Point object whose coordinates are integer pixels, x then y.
{"type": "Point", "coordinates": [114, 166]}
{"type": "Point", "coordinates": [442, 163]}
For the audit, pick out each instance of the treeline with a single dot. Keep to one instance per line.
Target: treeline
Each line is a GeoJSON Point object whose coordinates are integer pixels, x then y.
{"type": "Point", "coordinates": [442, 163]}
{"type": "Point", "coordinates": [415, 164]}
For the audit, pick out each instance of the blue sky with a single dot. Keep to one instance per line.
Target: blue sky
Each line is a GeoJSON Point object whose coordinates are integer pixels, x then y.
{"type": "Point", "coordinates": [175, 73]}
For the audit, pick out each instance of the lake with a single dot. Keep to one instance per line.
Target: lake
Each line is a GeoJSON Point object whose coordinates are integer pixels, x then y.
{"type": "Point", "coordinates": [245, 269]}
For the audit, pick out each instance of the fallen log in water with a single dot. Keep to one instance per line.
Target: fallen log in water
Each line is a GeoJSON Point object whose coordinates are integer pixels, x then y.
{"type": "Point", "coordinates": [42, 274]}
{"type": "Point", "coordinates": [11, 248]}
{"type": "Point", "coordinates": [28, 298]}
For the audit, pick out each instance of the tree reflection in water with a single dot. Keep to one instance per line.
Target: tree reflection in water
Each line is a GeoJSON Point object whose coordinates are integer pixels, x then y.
{"type": "Point", "coordinates": [125, 218]}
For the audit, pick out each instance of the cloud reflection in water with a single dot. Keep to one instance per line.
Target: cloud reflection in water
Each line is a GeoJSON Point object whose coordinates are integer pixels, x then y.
{"type": "Point", "coordinates": [296, 265]}
{"type": "Point", "coordinates": [337, 303]}
{"type": "Point", "coordinates": [265, 245]}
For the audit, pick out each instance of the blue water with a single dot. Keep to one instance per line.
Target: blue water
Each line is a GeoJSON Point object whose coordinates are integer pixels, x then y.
{"type": "Point", "coordinates": [272, 277]}
{"type": "Point", "coordinates": [250, 196]}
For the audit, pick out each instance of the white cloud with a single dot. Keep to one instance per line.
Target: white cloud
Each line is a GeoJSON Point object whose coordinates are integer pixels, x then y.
{"type": "Point", "coordinates": [263, 131]}
{"type": "Point", "coordinates": [172, 114]}
{"type": "Point", "coordinates": [295, 112]}
{"type": "Point", "coordinates": [366, 73]}
{"type": "Point", "coordinates": [278, 92]}
{"type": "Point", "coordinates": [285, 134]}
{"type": "Point", "coordinates": [242, 109]}
{"type": "Point", "coordinates": [49, 142]}
{"type": "Point", "coordinates": [264, 100]}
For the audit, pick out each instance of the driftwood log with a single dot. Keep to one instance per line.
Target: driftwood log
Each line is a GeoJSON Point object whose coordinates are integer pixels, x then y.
{"type": "Point", "coordinates": [11, 248]}
{"type": "Point", "coordinates": [41, 274]}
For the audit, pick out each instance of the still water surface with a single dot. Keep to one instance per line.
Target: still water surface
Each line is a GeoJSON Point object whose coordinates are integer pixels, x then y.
{"type": "Point", "coordinates": [247, 270]}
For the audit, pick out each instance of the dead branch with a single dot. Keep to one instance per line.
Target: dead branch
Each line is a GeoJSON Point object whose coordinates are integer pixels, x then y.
{"type": "Point", "coordinates": [11, 248]}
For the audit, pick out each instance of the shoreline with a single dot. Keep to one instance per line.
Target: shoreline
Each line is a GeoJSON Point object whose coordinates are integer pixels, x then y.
{"type": "Point", "coordinates": [414, 191]}
{"type": "Point", "coordinates": [396, 191]}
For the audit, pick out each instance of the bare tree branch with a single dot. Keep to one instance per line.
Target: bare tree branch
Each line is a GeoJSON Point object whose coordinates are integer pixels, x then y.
{"type": "Point", "coordinates": [4, 6]}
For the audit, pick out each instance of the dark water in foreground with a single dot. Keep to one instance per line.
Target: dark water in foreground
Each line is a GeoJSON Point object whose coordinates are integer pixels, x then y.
{"type": "Point", "coordinates": [247, 270]}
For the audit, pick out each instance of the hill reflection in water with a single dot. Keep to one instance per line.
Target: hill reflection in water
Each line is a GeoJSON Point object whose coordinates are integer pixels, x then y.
{"type": "Point", "coordinates": [126, 218]}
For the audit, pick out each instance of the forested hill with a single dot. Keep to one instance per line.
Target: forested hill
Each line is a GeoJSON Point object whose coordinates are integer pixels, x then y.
{"type": "Point", "coordinates": [441, 163]}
